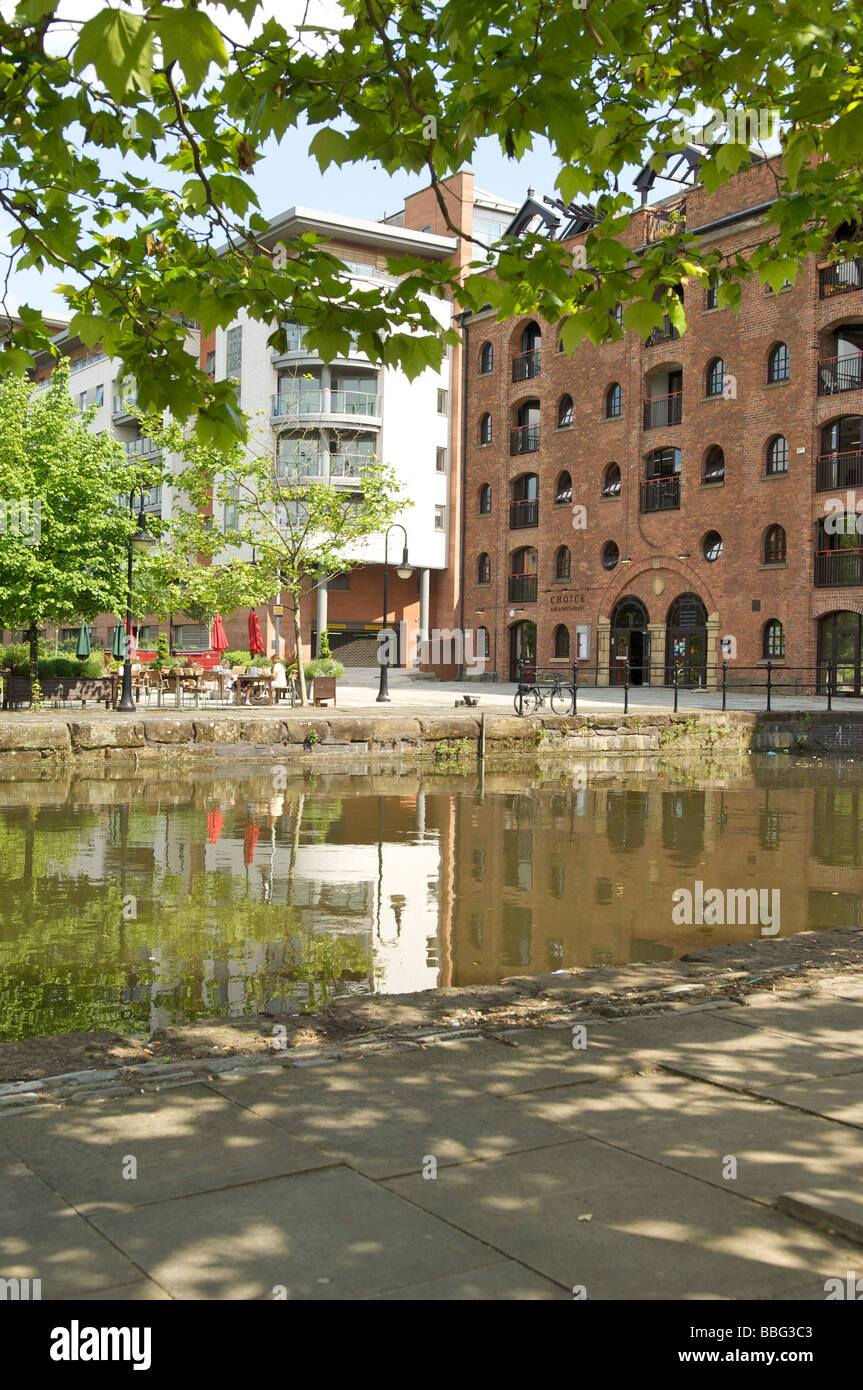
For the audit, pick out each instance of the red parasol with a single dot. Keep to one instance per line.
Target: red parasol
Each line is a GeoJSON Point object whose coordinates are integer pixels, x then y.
{"type": "Point", "coordinates": [215, 821]}
{"type": "Point", "coordinates": [256, 641]}
{"type": "Point", "coordinates": [219, 640]}
{"type": "Point", "coordinates": [250, 839]}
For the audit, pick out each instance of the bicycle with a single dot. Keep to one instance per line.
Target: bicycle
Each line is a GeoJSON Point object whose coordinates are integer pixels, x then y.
{"type": "Point", "coordinates": [532, 696]}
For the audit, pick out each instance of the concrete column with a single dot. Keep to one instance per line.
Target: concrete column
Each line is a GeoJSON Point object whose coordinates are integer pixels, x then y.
{"type": "Point", "coordinates": [322, 615]}
{"type": "Point", "coordinates": [657, 653]}
{"type": "Point", "coordinates": [603, 649]}
{"type": "Point", "coordinates": [425, 579]}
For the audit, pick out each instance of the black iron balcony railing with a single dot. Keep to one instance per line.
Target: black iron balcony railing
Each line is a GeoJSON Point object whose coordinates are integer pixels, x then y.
{"type": "Point", "coordinates": [838, 471]}
{"type": "Point", "coordinates": [524, 439]}
{"type": "Point", "coordinates": [663, 410]}
{"type": "Point", "coordinates": [838, 569]}
{"type": "Point", "coordinates": [840, 278]}
{"type": "Point", "coordinates": [842, 373]}
{"type": "Point", "coordinates": [526, 365]}
{"type": "Point", "coordinates": [660, 494]}
{"type": "Point", "coordinates": [522, 588]}
{"type": "Point", "coordinates": [524, 511]}
{"type": "Point", "coordinates": [663, 222]}
{"type": "Point", "coordinates": [665, 334]}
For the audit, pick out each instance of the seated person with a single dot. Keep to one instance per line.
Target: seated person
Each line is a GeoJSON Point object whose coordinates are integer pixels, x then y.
{"type": "Point", "coordinates": [280, 679]}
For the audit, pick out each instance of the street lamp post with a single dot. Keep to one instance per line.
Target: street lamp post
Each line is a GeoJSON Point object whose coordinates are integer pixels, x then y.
{"type": "Point", "coordinates": [404, 571]}
{"type": "Point", "coordinates": [140, 542]}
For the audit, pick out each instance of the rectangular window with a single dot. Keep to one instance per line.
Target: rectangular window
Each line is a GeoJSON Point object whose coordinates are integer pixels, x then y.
{"type": "Point", "coordinates": [440, 518]}
{"type": "Point", "coordinates": [192, 637]}
{"type": "Point", "coordinates": [440, 461]}
{"type": "Point", "coordinates": [148, 637]}
{"type": "Point", "coordinates": [99, 394]}
{"type": "Point", "coordinates": [339, 581]}
{"type": "Point", "coordinates": [210, 368]}
{"type": "Point", "coordinates": [441, 402]}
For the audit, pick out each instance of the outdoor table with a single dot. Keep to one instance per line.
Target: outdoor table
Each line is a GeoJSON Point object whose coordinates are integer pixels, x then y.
{"type": "Point", "coordinates": [252, 681]}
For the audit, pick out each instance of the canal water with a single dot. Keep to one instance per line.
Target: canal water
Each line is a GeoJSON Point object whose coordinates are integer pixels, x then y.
{"type": "Point", "coordinates": [132, 903]}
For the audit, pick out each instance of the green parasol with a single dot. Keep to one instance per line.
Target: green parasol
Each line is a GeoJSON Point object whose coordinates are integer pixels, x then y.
{"type": "Point", "coordinates": [82, 651]}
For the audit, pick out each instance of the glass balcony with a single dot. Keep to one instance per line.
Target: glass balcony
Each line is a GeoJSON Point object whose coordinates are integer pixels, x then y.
{"type": "Point", "coordinates": [312, 402]}
{"type": "Point", "coordinates": [143, 448]}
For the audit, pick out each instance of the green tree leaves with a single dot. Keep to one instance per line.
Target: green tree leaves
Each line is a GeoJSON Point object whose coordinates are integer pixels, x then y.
{"type": "Point", "coordinates": [119, 45]}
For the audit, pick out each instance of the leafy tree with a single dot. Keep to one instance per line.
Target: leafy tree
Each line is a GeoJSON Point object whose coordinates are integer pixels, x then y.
{"type": "Point", "coordinates": [301, 530]}
{"type": "Point", "coordinates": [414, 84]}
{"type": "Point", "coordinates": [63, 545]}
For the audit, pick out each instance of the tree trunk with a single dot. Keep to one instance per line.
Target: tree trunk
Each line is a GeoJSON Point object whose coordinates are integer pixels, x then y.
{"type": "Point", "coordinates": [33, 639]}
{"type": "Point", "coordinates": [298, 642]}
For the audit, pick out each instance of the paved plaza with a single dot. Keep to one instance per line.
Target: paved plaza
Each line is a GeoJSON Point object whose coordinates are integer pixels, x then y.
{"type": "Point", "coordinates": [710, 1153]}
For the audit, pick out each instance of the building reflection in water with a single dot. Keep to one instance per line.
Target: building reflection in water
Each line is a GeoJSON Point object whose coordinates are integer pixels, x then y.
{"type": "Point", "coordinates": [244, 900]}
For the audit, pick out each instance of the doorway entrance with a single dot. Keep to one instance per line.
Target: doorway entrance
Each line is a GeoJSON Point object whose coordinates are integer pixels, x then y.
{"type": "Point", "coordinates": [839, 643]}
{"type": "Point", "coordinates": [686, 641]}
{"type": "Point", "coordinates": [522, 647]}
{"type": "Point", "coordinates": [630, 642]}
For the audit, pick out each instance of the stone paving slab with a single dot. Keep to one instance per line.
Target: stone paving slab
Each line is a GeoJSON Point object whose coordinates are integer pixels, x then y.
{"type": "Point", "coordinates": [835, 1097]}
{"type": "Point", "coordinates": [833, 1207]}
{"type": "Point", "coordinates": [712, 1047]}
{"type": "Point", "coordinates": [327, 1235]}
{"type": "Point", "coordinates": [184, 1140]}
{"type": "Point", "coordinates": [145, 1291]}
{"type": "Point", "coordinates": [829, 1023]}
{"type": "Point", "coordinates": [389, 1131]}
{"type": "Point", "coordinates": [652, 1234]}
{"type": "Point", "coordinates": [506, 1280]}
{"type": "Point", "coordinates": [41, 1237]}
{"type": "Point", "coordinates": [529, 1060]}
{"type": "Point", "coordinates": [696, 1128]}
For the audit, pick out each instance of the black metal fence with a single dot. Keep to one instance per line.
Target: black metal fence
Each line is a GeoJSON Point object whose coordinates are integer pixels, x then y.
{"type": "Point", "coordinates": [826, 681]}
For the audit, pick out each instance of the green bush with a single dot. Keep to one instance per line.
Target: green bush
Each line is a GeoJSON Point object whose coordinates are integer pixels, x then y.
{"type": "Point", "coordinates": [15, 659]}
{"type": "Point", "coordinates": [323, 666]}
{"type": "Point", "coordinates": [238, 658]}
{"type": "Point", "coordinates": [325, 653]}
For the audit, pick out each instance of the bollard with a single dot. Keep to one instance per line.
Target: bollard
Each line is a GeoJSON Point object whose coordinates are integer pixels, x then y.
{"type": "Point", "coordinates": [830, 685]}
{"type": "Point", "coordinates": [575, 687]}
{"type": "Point", "coordinates": [769, 683]}
{"type": "Point", "coordinates": [676, 678]}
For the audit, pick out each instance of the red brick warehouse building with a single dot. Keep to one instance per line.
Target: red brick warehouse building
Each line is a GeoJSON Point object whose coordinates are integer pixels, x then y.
{"type": "Point", "coordinates": [706, 466]}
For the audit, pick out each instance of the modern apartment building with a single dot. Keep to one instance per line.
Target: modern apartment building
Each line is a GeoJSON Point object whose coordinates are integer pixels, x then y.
{"type": "Point", "coordinates": [648, 506]}
{"type": "Point", "coordinates": [330, 419]}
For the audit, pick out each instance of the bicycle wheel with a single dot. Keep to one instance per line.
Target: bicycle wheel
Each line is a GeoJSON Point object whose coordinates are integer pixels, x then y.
{"type": "Point", "coordinates": [562, 699]}
{"type": "Point", "coordinates": [526, 701]}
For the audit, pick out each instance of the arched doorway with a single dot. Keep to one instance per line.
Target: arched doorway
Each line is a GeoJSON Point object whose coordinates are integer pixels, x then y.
{"type": "Point", "coordinates": [686, 641]}
{"type": "Point", "coordinates": [522, 647]}
{"type": "Point", "coordinates": [839, 643]}
{"type": "Point", "coordinates": [630, 640]}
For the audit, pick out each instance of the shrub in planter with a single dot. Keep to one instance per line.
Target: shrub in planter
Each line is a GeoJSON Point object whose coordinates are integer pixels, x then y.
{"type": "Point", "coordinates": [238, 658]}
{"type": "Point", "coordinates": [323, 666]}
